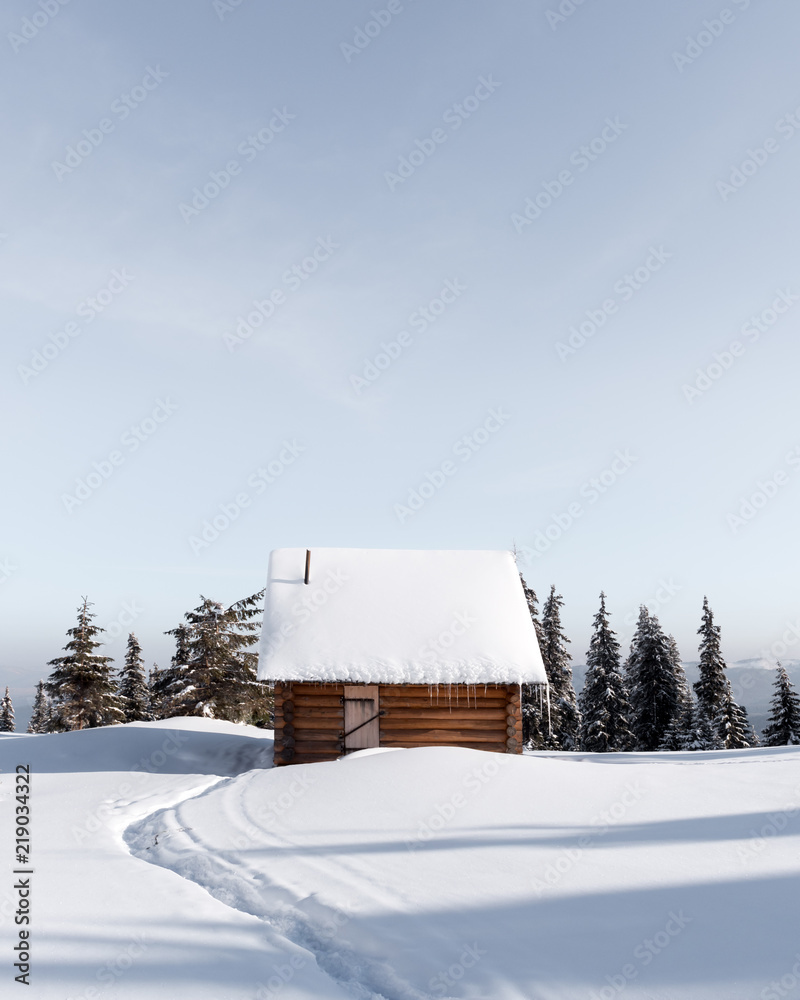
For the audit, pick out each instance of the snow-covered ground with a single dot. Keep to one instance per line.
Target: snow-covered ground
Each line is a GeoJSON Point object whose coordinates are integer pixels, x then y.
{"type": "Point", "coordinates": [170, 861]}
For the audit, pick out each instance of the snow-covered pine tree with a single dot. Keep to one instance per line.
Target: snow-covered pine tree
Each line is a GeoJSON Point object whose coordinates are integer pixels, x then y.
{"type": "Point", "coordinates": [603, 702]}
{"type": "Point", "coordinates": [40, 716]}
{"type": "Point", "coordinates": [752, 735]}
{"type": "Point", "coordinates": [698, 730]}
{"type": "Point", "coordinates": [133, 691]}
{"type": "Point", "coordinates": [707, 737]}
{"type": "Point", "coordinates": [685, 691]}
{"type": "Point", "coordinates": [710, 689]}
{"type": "Point", "coordinates": [533, 606]}
{"type": "Point", "coordinates": [654, 687]}
{"type": "Point", "coordinates": [7, 724]}
{"type": "Point", "coordinates": [675, 736]}
{"type": "Point", "coordinates": [169, 694]}
{"type": "Point", "coordinates": [637, 638]}
{"type": "Point", "coordinates": [82, 683]}
{"type": "Point", "coordinates": [732, 725]}
{"type": "Point", "coordinates": [153, 680]}
{"type": "Point", "coordinates": [565, 715]}
{"type": "Point", "coordinates": [534, 711]}
{"type": "Point", "coordinates": [783, 725]}
{"type": "Point", "coordinates": [220, 677]}
{"type": "Point", "coordinates": [207, 659]}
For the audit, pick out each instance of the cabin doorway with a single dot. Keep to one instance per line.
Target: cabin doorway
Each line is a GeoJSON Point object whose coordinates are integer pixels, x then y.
{"type": "Point", "coordinates": [361, 717]}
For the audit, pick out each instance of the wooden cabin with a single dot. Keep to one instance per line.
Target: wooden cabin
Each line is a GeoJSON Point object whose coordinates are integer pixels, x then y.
{"type": "Point", "coordinates": [395, 648]}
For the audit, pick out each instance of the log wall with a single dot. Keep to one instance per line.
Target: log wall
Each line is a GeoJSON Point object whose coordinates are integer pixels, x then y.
{"type": "Point", "coordinates": [309, 718]}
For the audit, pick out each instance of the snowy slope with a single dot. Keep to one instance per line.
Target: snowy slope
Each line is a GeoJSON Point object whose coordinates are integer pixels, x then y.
{"type": "Point", "coordinates": [408, 873]}
{"type": "Point", "coordinates": [104, 924]}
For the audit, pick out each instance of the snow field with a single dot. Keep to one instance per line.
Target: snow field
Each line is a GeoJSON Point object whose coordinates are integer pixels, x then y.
{"type": "Point", "coordinates": [463, 874]}
{"type": "Point", "coordinates": [171, 862]}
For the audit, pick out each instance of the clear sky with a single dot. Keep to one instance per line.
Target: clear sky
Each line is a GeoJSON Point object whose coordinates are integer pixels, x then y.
{"type": "Point", "coordinates": [398, 274]}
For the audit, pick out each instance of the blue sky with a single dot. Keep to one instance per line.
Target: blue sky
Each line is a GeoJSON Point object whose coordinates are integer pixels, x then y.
{"type": "Point", "coordinates": [365, 178]}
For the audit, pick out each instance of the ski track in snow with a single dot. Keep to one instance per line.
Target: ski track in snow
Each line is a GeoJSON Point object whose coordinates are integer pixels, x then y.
{"type": "Point", "coordinates": [167, 839]}
{"type": "Point", "coordinates": [306, 867]}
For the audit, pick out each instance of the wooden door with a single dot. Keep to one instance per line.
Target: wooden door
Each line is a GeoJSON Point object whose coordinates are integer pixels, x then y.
{"type": "Point", "coordinates": [361, 723]}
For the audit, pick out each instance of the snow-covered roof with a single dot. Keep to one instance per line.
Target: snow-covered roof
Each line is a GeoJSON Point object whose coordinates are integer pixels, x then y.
{"type": "Point", "coordinates": [397, 616]}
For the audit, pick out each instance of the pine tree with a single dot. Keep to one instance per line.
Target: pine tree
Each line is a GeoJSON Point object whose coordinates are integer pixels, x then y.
{"type": "Point", "coordinates": [675, 736]}
{"type": "Point", "coordinates": [732, 724]}
{"type": "Point", "coordinates": [133, 692]}
{"type": "Point", "coordinates": [654, 687]}
{"type": "Point", "coordinates": [82, 684]}
{"type": "Point", "coordinates": [711, 687]}
{"type": "Point", "coordinates": [698, 730]}
{"type": "Point", "coordinates": [534, 711]}
{"type": "Point", "coordinates": [40, 717]}
{"type": "Point", "coordinates": [565, 715]}
{"type": "Point", "coordinates": [783, 725]}
{"type": "Point", "coordinates": [167, 686]}
{"type": "Point", "coordinates": [154, 700]}
{"type": "Point", "coordinates": [752, 736]}
{"type": "Point", "coordinates": [684, 689]}
{"type": "Point", "coordinates": [603, 702]}
{"type": "Point", "coordinates": [220, 676]}
{"type": "Point", "coordinates": [7, 724]}
{"type": "Point", "coordinates": [533, 606]}
{"type": "Point", "coordinates": [636, 641]}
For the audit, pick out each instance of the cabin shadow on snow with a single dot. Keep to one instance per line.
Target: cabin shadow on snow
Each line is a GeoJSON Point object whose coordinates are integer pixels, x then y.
{"type": "Point", "coordinates": [732, 931]}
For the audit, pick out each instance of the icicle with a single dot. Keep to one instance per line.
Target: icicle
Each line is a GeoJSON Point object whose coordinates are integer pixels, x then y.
{"type": "Point", "coordinates": [549, 729]}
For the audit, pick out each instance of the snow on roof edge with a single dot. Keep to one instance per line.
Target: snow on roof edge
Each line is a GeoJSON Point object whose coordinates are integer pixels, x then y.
{"type": "Point", "coordinates": [398, 616]}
